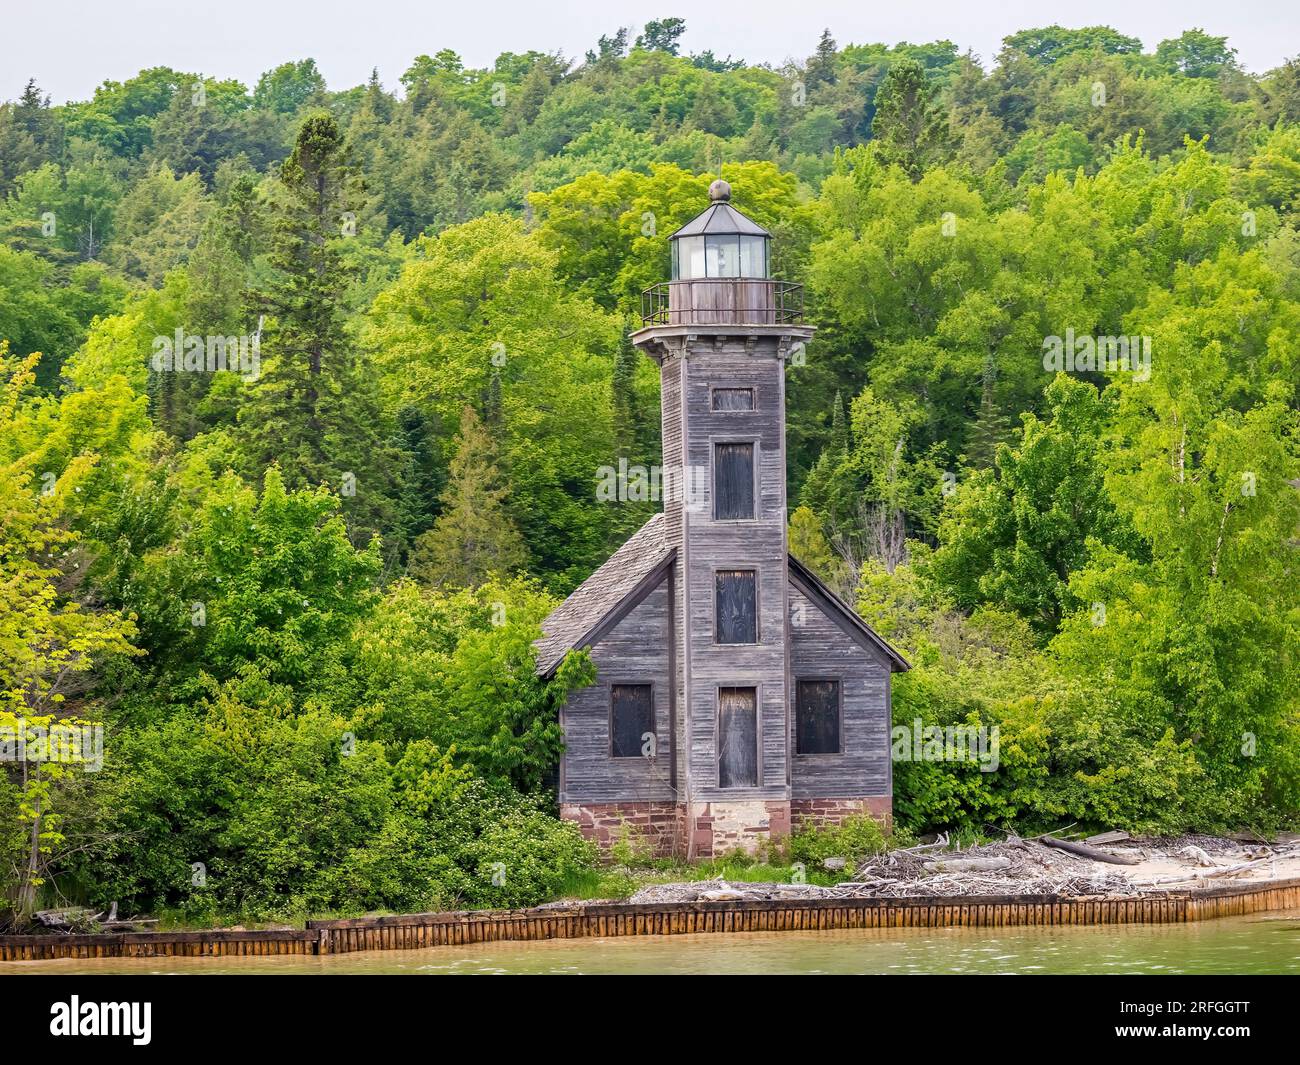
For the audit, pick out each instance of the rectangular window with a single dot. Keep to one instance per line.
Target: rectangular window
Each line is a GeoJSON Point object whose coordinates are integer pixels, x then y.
{"type": "Point", "coordinates": [753, 257]}
{"type": "Point", "coordinates": [632, 715]}
{"type": "Point", "coordinates": [690, 257]}
{"type": "Point", "coordinates": [733, 481]}
{"type": "Point", "coordinates": [817, 717]}
{"type": "Point", "coordinates": [722, 256]}
{"type": "Point", "coordinates": [735, 606]}
{"type": "Point", "coordinates": [737, 737]}
{"type": "Point", "coordinates": [728, 399]}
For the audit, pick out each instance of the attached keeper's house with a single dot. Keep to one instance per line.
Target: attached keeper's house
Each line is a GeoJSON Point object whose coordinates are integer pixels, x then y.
{"type": "Point", "coordinates": [736, 696]}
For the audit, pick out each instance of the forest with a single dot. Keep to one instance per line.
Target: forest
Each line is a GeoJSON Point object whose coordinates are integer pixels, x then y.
{"type": "Point", "coordinates": [305, 394]}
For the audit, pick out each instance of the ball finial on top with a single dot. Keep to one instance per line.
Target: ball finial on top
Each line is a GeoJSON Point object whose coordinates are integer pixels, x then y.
{"type": "Point", "coordinates": [720, 191]}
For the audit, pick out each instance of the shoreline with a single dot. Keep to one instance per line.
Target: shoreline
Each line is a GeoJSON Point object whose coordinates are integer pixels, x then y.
{"type": "Point", "coordinates": [414, 931]}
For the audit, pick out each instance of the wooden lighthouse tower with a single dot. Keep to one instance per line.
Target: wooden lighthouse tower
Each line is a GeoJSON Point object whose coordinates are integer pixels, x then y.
{"type": "Point", "coordinates": [736, 695]}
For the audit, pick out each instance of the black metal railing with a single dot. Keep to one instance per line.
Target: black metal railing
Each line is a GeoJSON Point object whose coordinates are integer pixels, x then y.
{"type": "Point", "coordinates": [723, 301]}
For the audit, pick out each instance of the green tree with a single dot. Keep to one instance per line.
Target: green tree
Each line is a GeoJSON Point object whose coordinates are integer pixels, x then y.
{"type": "Point", "coordinates": [312, 409]}
{"type": "Point", "coordinates": [1196, 54]}
{"type": "Point", "coordinates": [474, 535]}
{"type": "Point", "coordinates": [289, 87]}
{"type": "Point", "coordinates": [910, 127]}
{"type": "Point", "coordinates": [662, 35]}
{"type": "Point", "coordinates": [51, 645]}
{"type": "Point", "coordinates": [1014, 535]}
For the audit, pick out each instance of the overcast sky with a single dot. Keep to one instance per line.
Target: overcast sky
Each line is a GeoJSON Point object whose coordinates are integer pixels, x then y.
{"type": "Point", "coordinates": [70, 47]}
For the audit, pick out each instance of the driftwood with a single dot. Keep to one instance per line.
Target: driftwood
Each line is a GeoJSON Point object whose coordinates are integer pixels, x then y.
{"type": "Point", "coordinates": [67, 919]}
{"type": "Point", "coordinates": [1209, 874]}
{"type": "Point", "coordinates": [1084, 851]}
{"type": "Point", "coordinates": [1107, 837]}
{"type": "Point", "coordinates": [1197, 855]}
{"type": "Point", "coordinates": [967, 865]}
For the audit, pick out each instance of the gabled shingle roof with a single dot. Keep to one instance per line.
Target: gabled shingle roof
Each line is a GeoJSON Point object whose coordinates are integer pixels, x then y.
{"type": "Point", "coordinates": [573, 623]}
{"type": "Point", "coordinates": [635, 569]}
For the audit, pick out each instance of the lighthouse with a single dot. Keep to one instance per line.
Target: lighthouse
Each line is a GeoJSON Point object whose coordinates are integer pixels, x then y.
{"type": "Point", "coordinates": [736, 696]}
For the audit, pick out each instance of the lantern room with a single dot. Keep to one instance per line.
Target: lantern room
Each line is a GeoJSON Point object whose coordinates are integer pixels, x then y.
{"type": "Point", "coordinates": [720, 242]}
{"type": "Point", "coordinates": [722, 273]}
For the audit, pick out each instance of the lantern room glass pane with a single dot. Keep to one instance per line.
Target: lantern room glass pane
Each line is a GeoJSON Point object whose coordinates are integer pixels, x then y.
{"type": "Point", "coordinates": [722, 256]}
{"type": "Point", "coordinates": [753, 257]}
{"type": "Point", "coordinates": [688, 253]}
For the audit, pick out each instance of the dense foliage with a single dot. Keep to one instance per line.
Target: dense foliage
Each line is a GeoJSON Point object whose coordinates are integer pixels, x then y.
{"type": "Point", "coordinates": [326, 380]}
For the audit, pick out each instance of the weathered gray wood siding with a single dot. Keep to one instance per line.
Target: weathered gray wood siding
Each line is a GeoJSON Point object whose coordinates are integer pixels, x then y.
{"type": "Point", "coordinates": [635, 651]}
{"type": "Point", "coordinates": [821, 648]}
{"type": "Point", "coordinates": [758, 544]}
{"type": "Point", "coordinates": [672, 429]}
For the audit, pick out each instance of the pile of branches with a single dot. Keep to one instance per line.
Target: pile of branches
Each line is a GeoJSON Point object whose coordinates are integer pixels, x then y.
{"type": "Point", "coordinates": [1012, 867]}
{"type": "Point", "coordinates": [74, 919]}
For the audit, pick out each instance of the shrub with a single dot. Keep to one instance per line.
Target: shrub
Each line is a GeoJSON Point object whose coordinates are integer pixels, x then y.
{"type": "Point", "coordinates": [855, 838]}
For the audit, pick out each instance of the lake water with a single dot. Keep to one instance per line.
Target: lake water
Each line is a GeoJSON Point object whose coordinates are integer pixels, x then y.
{"type": "Point", "coordinates": [1261, 943]}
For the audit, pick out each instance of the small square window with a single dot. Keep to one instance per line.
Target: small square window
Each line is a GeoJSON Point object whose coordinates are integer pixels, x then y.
{"type": "Point", "coordinates": [732, 399]}
{"type": "Point", "coordinates": [817, 717]}
{"type": "Point", "coordinates": [632, 717]}
{"type": "Point", "coordinates": [736, 606]}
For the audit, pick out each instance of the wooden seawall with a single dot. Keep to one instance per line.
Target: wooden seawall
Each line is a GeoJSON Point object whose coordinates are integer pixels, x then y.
{"type": "Point", "coordinates": [413, 931]}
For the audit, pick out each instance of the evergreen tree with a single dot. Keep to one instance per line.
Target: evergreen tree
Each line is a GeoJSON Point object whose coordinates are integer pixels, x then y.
{"type": "Point", "coordinates": [30, 135]}
{"type": "Point", "coordinates": [423, 475]}
{"type": "Point", "coordinates": [609, 49]}
{"type": "Point", "coordinates": [991, 424]}
{"type": "Point", "coordinates": [910, 127]}
{"type": "Point", "coordinates": [312, 409]}
{"type": "Point", "coordinates": [820, 69]}
{"type": "Point", "coordinates": [475, 534]}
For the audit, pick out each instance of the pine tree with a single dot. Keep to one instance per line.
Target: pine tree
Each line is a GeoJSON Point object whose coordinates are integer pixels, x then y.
{"type": "Point", "coordinates": [475, 534]}
{"type": "Point", "coordinates": [312, 410]}
{"type": "Point", "coordinates": [910, 127]}
{"type": "Point", "coordinates": [991, 424]}
{"type": "Point", "coordinates": [423, 475]}
{"type": "Point", "coordinates": [820, 69]}
{"type": "Point", "coordinates": [840, 438]}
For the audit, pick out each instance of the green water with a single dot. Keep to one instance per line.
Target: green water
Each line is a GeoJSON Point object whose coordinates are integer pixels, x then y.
{"type": "Point", "coordinates": [1261, 943]}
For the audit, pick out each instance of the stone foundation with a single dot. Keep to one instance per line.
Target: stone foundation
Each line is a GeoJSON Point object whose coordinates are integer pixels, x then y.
{"type": "Point", "coordinates": [728, 826]}
{"type": "Point", "coordinates": [659, 828]}
{"type": "Point", "coordinates": [823, 812]}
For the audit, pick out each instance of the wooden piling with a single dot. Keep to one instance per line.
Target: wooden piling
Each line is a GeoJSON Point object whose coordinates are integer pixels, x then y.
{"type": "Point", "coordinates": [422, 930]}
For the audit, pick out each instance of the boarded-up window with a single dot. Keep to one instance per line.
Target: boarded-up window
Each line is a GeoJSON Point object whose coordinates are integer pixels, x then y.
{"type": "Point", "coordinates": [737, 737]}
{"type": "Point", "coordinates": [733, 399]}
{"type": "Point", "coordinates": [736, 603]}
{"type": "Point", "coordinates": [632, 715]}
{"type": "Point", "coordinates": [733, 481]}
{"type": "Point", "coordinates": [817, 717]}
